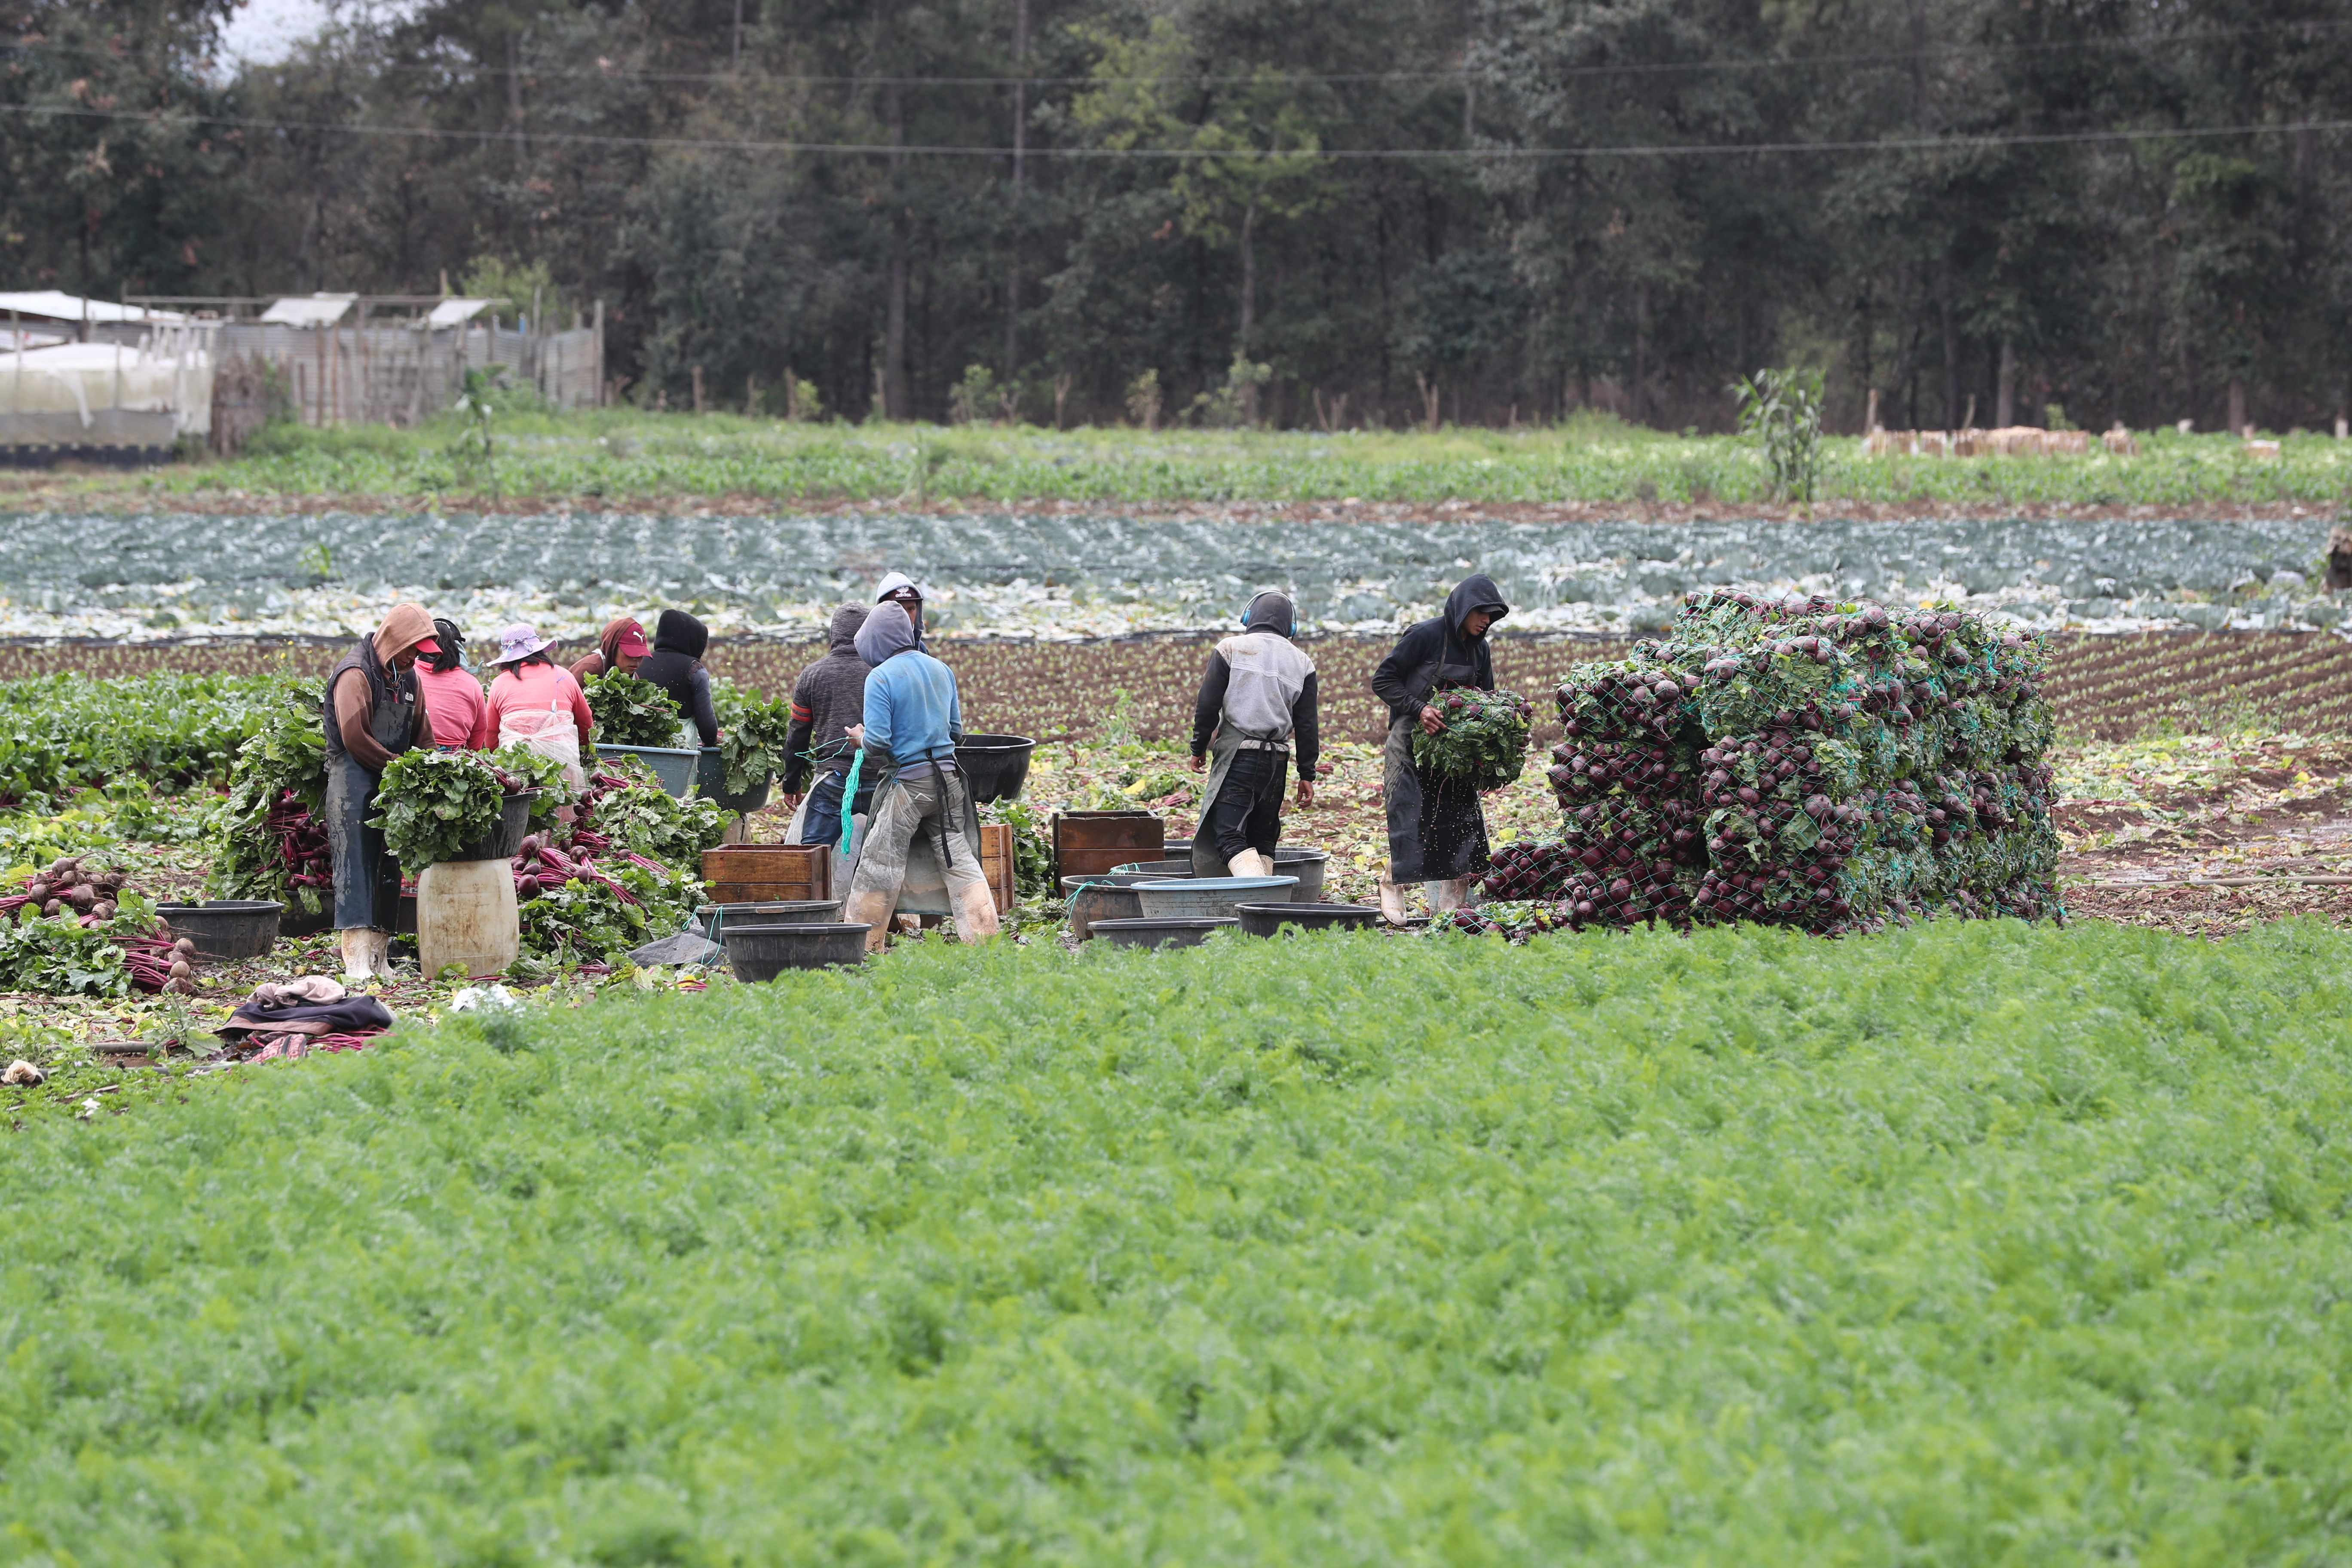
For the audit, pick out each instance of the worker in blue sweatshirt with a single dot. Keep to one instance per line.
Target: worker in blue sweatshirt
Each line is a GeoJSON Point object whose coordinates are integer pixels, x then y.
{"type": "Point", "coordinates": [912, 722]}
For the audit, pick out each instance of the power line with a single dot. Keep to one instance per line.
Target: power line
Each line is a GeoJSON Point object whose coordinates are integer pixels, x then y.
{"type": "Point", "coordinates": [1210, 78]}
{"type": "Point", "coordinates": [1329, 154]}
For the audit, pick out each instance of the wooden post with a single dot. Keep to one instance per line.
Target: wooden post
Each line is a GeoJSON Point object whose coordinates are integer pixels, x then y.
{"type": "Point", "coordinates": [598, 351]}
{"type": "Point", "coordinates": [318, 381]}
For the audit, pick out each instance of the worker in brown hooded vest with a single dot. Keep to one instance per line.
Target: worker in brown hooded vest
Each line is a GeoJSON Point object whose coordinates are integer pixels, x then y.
{"type": "Point", "coordinates": [370, 715]}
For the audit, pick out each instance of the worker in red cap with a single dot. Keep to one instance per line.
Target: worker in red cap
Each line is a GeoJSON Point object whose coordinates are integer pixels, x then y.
{"type": "Point", "coordinates": [452, 695]}
{"type": "Point", "coordinates": [620, 647]}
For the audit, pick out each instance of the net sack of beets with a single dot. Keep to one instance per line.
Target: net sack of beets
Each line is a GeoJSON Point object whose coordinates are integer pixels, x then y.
{"type": "Point", "coordinates": [1800, 762]}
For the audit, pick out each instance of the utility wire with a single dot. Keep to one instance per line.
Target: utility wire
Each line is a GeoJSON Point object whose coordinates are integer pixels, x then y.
{"type": "Point", "coordinates": [1243, 154]}
{"type": "Point", "coordinates": [1210, 78]}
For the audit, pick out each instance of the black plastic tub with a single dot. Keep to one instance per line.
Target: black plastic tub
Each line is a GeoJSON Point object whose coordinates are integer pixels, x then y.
{"type": "Point", "coordinates": [711, 780]}
{"type": "Point", "coordinates": [501, 842]}
{"type": "Point", "coordinates": [226, 929]}
{"type": "Point", "coordinates": [1265, 920]}
{"type": "Point", "coordinates": [1170, 931]}
{"type": "Point", "coordinates": [763, 953]}
{"type": "Point", "coordinates": [1307, 865]}
{"type": "Point", "coordinates": [1109, 897]}
{"type": "Point", "coordinates": [994, 767]}
{"type": "Point", "coordinates": [713, 920]}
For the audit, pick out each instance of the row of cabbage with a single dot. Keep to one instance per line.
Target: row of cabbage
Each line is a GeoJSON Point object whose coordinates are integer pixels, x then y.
{"type": "Point", "coordinates": [166, 575]}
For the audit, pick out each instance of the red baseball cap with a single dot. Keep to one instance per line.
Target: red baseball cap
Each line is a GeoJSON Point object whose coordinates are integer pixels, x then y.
{"type": "Point", "coordinates": [633, 643]}
{"type": "Point", "coordinates": [429, 645]}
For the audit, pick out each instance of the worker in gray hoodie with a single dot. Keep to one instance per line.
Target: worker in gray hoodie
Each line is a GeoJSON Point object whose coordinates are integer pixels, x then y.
{"type": "Point", "coordinates": [828, 701]}
{"type": "Point", "coordinates": [1255, 710]}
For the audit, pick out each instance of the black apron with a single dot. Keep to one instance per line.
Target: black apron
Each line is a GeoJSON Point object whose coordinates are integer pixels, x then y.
{"type": "Point", "coordinates": [1437, 830]}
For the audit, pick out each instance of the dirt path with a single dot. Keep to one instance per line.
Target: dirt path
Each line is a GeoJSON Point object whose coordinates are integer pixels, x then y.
{"type": "Point", "coordinates": [2208, 835]}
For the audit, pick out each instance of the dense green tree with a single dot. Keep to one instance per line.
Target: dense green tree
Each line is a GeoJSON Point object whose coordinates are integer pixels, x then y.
{"type": "Point", "coordinates": [1504, 208]}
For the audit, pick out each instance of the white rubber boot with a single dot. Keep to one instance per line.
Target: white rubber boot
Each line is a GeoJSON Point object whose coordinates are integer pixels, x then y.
{"type": "Point", "coordinates": [359, 955]}
{"type": "Point", "coordinates": [1392, 901]}
{"type": "Point", "coordinates": [1248, 863]}
{"type": "Point", "coordinates": [870, 909]}
{"type": "Point", "coordinates": [380, 950]}
{"type": "Point", "coordinates": [975, 915]}
{"type": "Point", "coordinates": [1452, 895]}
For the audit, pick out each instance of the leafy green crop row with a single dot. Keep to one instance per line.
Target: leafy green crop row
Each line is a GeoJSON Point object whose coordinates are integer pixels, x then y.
{"type": "Point", "coordinates": [62, 733]}
{"type": "Point", "coordinates": [623, 454]}
{"type": "Point", "coordinates": [1974, 1244]}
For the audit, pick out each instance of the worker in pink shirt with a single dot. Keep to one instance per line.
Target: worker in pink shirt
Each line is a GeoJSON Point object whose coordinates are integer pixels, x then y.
{"type": "Point", "coordinates": [454, 703]}
{"type": "Point", "coordinates": [539, 703]}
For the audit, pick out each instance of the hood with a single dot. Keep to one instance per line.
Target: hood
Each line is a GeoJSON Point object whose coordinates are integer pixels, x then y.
{"type": "Point", "coordinates": [678, 632]}
{"type": "Point", "coordinates": [840, 637]}
{"type": "Point", "coordinates": [1272, 610]}
{"type": "Point", "coordinates": [894, 581]}
{"type": "Point", "coordinates": [403, 629]}
{"type": "Point", "coordinates": [1475, 592]}
{"type": "Point", "coordinates": [886, 634]}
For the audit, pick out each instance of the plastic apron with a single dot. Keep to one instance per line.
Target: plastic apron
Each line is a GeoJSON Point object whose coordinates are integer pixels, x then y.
{"type": "Point", "coordinates": [1433, 836]}
{"type": "Point", "coordinates": [1208, 861]}
{"type": "Point", "coordinates": [552, 734]}
{"type": "Point", "coordinates": [925, 890]}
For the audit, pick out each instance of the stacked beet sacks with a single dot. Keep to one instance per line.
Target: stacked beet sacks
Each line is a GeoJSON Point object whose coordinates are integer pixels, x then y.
{"type": "Point", "coordinates": [1802, 763]}
{"type": "Point", "coordinates": [1631, 847]}
{"type": "Point", "coordinates": [1861, 765]}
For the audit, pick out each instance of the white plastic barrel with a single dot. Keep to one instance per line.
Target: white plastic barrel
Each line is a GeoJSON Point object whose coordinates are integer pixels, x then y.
{"type": "Point", "coordinates": [465, 914]}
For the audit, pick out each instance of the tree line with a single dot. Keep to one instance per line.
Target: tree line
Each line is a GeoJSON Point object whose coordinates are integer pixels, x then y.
{"type": "Point", "coordinates": [1331, 214]}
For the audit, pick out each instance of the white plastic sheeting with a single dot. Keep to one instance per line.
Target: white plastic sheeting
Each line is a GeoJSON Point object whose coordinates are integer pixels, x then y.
{"type": "Point", "coordinates": [54, 305]}
{"type": "Point", "coordinates": [107, 394]}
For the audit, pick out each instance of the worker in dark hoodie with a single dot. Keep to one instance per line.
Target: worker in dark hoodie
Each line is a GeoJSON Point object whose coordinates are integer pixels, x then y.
{"type": "Point", "coordinates": [1437, 833]}
{"type": "Point", "coordinates": [828, 702]}
{"type": "Point", "coordinates": [1256, 706]}
{"type": "Point", "coordinates": [913, 720]}
{"type": "Point", "coordinates": [675, 666]}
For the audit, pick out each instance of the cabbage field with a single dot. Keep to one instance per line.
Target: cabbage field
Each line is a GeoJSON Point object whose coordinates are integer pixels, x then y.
{"type": "Point", "coordinates": [1739, 1248]}
{"type": "Point", "coordinates": [1054, 574]}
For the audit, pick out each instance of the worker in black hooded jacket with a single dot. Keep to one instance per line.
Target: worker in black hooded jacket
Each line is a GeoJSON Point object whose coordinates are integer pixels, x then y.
{"type": "Point", "coordinates": [1437, 833]}
{"type": "Point", "coordinates": [675, 666]}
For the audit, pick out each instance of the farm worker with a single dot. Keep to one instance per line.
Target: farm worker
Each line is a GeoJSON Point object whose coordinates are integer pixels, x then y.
{"type": "Point", "coordinates": [537, 704]}
{"type": "Point", "coordinates": [370, 717]}
{"type": "Point", "coordinates": [619, 647]}
{"type": "Point", "coordinates": [675, 666]}
{"type": "Point", "coordinates": [454, 704]}
{"type": "Point", "coordinates": [828, 701]}
{"type": "Point", "coordinates": [912, 722]}
{"type": "Point", "coordinates": [1257, 700]}
{"type": "Point", "coordinates": [1437, 833]}
{"type": "Point", "coordinates": [898, 588]}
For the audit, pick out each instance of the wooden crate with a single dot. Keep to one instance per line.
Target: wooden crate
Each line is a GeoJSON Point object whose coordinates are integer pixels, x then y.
{"type": "Point", "coordinates": [768, 873]}
{"type": "Point", "coordinates": [1090, 843]}
{"type": "Point", "coordinates": [996, 862]}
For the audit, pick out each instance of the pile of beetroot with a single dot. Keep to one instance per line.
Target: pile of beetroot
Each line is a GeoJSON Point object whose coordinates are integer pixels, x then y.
{"type": "Point", "coordinates": [1800, 762]}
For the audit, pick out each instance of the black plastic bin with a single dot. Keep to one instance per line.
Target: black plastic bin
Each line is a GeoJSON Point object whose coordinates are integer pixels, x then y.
{"type": "Point", "coordinates": [994, 767]}
{"type": "Point", "coordinates": [503, 842]}
{"type": "Point", "coordinates": [226, 929]}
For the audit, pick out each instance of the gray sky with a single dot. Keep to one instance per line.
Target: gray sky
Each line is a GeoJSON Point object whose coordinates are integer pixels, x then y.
{"type": "Point", "coordinates": [265, 31]}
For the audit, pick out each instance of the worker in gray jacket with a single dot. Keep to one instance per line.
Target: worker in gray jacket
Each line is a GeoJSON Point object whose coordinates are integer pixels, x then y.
{"type": "Point", "coordinates": [1256, 711]}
